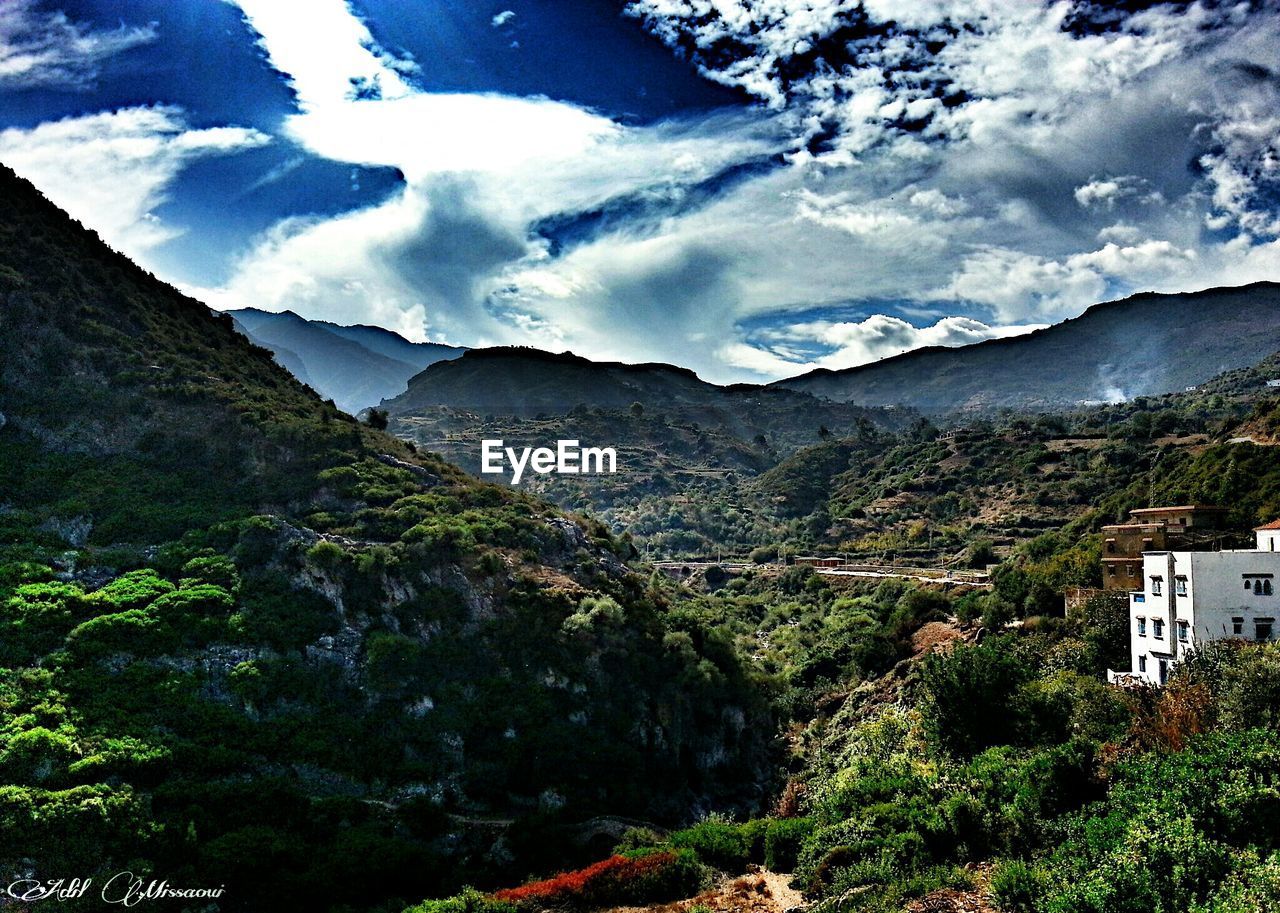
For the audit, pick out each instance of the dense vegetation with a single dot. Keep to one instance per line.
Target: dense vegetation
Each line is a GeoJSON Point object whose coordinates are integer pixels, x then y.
{"type": "Point", "coordinates": [247, 640]}
{"type": "Point", "coordinates": [896, 489]}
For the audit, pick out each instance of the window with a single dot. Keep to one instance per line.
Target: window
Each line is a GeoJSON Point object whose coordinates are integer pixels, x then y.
{"type": "Point", "coordinates": [1237, 626]}
{"type": "Point", "coordinates": [1157, 627]}
{"type": "Point", "coordinates": [1262, 628]}
{"type": "Point", "coordinates": [1180, 585]}
{"type": "Point", "coordinates": [1111, 570]}
{"type": "Point", "coordinates": [1132, 571]}
{"type": "Point", "coordinates": [1182, 632]}
{"type": "Point", "coordinates": [1164, 671]}
{"type": "Point", "coordinates": [1157, 586]}
{"type": "Point", "coordinates": [1266, 588]}
{"type": "Point", "coordinates": [1142, 627]}
{"type": "Point", "coordinates": [1257, 587]}
{"type": "Point", "coordinates": [1247, 585]}
{"type": "Point", "coordinates": [1142, 664]}
{"type": "Point", "coordinates": [1111, 546]}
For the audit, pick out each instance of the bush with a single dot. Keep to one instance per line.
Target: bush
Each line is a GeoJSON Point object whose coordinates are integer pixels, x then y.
{"type": "Point", "coordinates": [1015, 886]}
{"type": "Point", "coordinates": [974, 697]}
{"type": "Point", "coordinates": [724, 844]}
{"type": "Point", "coordinates": [469, 901]}
{"type": "Point", "coordinates": [782, 841]}
{"type": "Point", "coordinates": [643, 877]}
{"type": "Point", "coordinates": [133, 590]}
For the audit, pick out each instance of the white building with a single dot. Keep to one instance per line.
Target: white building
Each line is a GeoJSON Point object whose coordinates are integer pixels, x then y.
{"type": "Point", "coordinates": [1190, 598]}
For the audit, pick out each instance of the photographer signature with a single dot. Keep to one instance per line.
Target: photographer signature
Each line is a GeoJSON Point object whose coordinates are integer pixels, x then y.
{"type": "Point", "coordinates": [123, 888]}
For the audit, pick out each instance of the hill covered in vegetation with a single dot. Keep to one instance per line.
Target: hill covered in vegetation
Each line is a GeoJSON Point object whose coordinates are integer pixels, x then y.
{"type": "Point", "coordinates": [1145, 345]}
{"type": "Point", "coordinates": [248, 641]}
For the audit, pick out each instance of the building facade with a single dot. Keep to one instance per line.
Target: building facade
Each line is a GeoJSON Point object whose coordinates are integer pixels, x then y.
{"type": "Point", "coordinates": [1190, 598]}
{"type": "Point", "coordinates": [1155, 529]}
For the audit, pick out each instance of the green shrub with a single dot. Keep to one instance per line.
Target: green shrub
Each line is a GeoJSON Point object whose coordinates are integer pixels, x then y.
{"type": "Point", "coordinates": [469, 901]}
{"type": "Point", "coordinates": [133, 590]}
{"type": "Point", "coordinates": [724, 844]}
{"type": "Point", "coordinates": [217, 570]}
{"type": "Point", "coordinates": [973, 697]}
{"type": "Point", "coordinates": [782, 841]}
{"type": "Point", "coordinates": [138, 632]}
{"type": "Point", "coordinates": [1015, 887]}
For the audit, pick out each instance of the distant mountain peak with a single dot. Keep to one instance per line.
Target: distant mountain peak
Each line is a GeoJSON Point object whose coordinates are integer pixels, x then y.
{"type": "Point", "coordinates": [1143, 345]}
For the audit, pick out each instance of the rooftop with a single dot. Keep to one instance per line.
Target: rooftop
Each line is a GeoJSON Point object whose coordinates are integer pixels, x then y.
{"type": "Point", "coordinates": [1160, 510]}
{"type": "Point", "coordinates": [1274, 524]}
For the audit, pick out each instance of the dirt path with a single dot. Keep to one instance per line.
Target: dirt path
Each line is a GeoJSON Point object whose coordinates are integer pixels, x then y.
{"type": "Point", "coordinates": [758, 892]}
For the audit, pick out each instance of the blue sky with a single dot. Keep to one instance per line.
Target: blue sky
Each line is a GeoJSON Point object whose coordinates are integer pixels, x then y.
{"type": "Point", "coordinates": [751, 188]}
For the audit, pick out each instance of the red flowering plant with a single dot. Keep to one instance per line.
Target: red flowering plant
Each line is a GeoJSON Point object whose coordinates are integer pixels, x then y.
{"type": "Point", "coordinates": [643, 876]}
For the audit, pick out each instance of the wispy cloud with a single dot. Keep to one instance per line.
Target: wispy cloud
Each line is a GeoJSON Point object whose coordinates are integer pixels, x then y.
{"type": "Point", "coordinates": [39, 48]}
{"type": "Point", "coordinates": [112, 170]}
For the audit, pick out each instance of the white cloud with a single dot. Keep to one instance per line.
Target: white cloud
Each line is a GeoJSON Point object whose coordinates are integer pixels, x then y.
{"type": "Point", "coordinates": [327, 52]}
{"type": "Point", "coordinates": [855, 343]}
{"type": "Point", "coordinates": [1018, 286]}
{"type": "Point", "coordinates": [502, 18]}
{"type": "Point", "coordinates": [112, 170]}
{"type": "Point", "coordinates": [1030, 193]}
{"type": "Point", "coordinates": [40, 49]}
{"type": "Point", "coordinates": [1105, 193]}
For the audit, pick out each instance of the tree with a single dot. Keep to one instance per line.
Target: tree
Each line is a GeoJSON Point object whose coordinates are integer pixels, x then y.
{"type": "Point", "coordinates": [378, 418]}
{"type": "Point", "coordinates": [974, 697]}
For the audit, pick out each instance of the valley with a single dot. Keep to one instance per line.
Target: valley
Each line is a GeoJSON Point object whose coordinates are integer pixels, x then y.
{"type": "Point", "coordinates": [796, 653]}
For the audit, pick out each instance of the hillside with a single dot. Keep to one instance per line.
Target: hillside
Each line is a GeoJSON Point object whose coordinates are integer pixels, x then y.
{"type": "Point", "coordinates": [248, 641]}
{"type": "Point", "coordinates": [355, 366]}
{"type": "Point", "coordinates": [1144, 345]}
{"type": "Point", "coordinates": [684, 446]}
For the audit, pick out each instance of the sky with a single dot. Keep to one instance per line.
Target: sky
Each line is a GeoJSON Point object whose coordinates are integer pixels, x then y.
{"type": "Point", "coordinates": [749, 188]}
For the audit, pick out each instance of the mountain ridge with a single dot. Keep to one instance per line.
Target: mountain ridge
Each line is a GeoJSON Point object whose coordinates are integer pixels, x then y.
{"type": "Point", "coordinates": [940, 379]}
{"type": "Point", "coordinates": [355, 366]}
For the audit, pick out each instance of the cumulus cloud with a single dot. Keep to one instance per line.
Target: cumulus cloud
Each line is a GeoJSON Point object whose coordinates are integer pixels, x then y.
{"type": "Point", "coordinates": [853, 343]}
{"type": "Point", "coordinates": [1016, 285]}
{"type": "Point", "coordinates": [502, 18]}
{"type": "Point", "coordinates": [996, 165]}
{"type": "Point", "coordinates": [46, 49]}
{"type": "Point", "coordinates": [112, 170]}
{"type": "Point", "coordinates": [1105, 193]}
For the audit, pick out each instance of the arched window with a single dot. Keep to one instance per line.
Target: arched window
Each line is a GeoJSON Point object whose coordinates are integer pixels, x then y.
{"type": "Point", "coordinates": [1266, 587]}
{"type": "Point", "coordinates": [1257, 587]}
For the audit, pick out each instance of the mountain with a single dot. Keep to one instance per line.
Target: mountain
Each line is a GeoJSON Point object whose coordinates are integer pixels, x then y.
{"type": "Point", "coordinates": [684, 446]}
{"type": "Point", "coordinates": [355, 366]}
{"type": "Point", "coordinates": [248, 641]}
{"type": "Point", "coordinates": [523, 383]}
{"type": "Point", "coordinates": [1145, 345]}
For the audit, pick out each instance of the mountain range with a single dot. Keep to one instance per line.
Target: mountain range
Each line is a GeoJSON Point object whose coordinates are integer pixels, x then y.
{"type": "Point", "coordinates": [355, 366]}
{"type": "Point", "coordinates": [1145, 345]}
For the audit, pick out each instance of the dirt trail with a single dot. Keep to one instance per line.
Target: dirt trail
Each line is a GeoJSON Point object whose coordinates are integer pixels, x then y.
{"type": "Point", "coordinates": [758, 892]}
